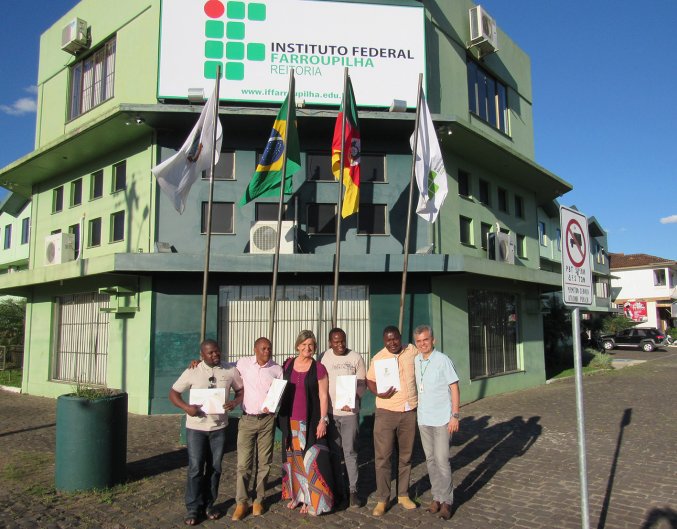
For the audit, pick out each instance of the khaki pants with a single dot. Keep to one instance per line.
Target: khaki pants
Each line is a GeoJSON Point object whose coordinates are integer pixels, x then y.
{"type": "Point", "coordinates": [387, 426]}
{"type": "Point", "coordinates": [255, 437]}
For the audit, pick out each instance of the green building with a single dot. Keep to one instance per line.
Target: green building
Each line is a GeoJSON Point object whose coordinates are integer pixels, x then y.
{"type": "Point", "coordinates": [115, 276]}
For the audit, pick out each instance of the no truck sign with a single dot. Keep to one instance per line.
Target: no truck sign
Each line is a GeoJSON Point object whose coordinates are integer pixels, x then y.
{"type": "Point", "coordinates": [576, 272]}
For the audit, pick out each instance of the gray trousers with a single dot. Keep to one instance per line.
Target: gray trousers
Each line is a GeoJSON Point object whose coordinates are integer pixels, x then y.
{"type": "Point", "coordinates": [435, 441]}
{"type": "Point", "coordinates": [255, 437]}
{"type": "Point", "coordinates": [342, 436]}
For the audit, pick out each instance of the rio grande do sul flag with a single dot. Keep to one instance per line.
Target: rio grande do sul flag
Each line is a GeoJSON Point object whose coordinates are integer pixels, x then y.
{"type": "Point", "coordinates": [431, 177]}
{"type": "Point", "coordinates": [268, 175]}
{"type": "Point", "coordinates": [176, 175]}
{"type": "Point", "coordinates": [351, 153]}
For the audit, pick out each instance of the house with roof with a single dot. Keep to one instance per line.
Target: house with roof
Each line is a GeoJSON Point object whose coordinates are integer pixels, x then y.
{"type": "Point", "coordinates": [115, 273]}
{"type": "Point", "coordinates": [644, 287]}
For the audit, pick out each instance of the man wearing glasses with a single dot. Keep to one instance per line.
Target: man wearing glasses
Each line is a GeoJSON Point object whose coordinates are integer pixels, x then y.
{"type": "Point", "coordinates": [205, 433]}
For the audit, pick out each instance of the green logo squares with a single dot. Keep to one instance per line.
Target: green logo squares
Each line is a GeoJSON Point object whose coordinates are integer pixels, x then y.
{"type": "Point", "coordinates": [234, 71]}
{"type": "Point", "coordinates": [210, 69]}
{"type": "Point", "coordinates": [235, 10]}
{"type": "Point", "coordinates": [235, 31]}
{"type": "Point", "coordinates": [235, 51]}
{"type": "Point", "coordinates": [257, 12]}
{"type": "Point", "coordinates": [214, 49]}
{"type": "Point", "coordinates": [432, 186]}
{"type": "Point", "coordinates": [214, 29]}
{"type": "Point", "coordinates": [256, 51]}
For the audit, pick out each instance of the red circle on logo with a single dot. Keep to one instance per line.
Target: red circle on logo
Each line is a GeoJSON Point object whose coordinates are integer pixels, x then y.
{"type": "Point", "coordinates": [214, 9]}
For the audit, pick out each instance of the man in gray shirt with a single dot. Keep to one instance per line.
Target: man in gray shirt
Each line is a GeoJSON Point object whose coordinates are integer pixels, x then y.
{"type": "Point", "coordinates": [344, 422]}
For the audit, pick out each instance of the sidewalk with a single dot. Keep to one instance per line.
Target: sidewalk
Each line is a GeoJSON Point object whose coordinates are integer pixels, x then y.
{"type": "Point", "coordinates": [515, 464]}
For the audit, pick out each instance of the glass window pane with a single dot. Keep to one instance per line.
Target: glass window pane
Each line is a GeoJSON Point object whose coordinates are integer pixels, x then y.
{"type": "Point", "coordinates": [222, 217]}
{"type": "Point", "coordinates": [372, 168]}
{"type": "Point", "coordinates": [119, 176]}
{"type": "Point", "coordinates": [372, 219]}
{"type": "Point", "coordinates": [224, 169]}
{"type": "Point", "coordinates": [268, 211]}
{"type": "Point", "coordinates": [466, 230]}
{"type": "Point", "coordinates": [319, 167]}
{"type": "Point", "coordinates": [97, 184]}
{"type": "Point", "coordinates": [118, 226]}
{"type": "Point", "coordinates": [321, 219]}
{"type": "Point", "coordinates": [95, 232]}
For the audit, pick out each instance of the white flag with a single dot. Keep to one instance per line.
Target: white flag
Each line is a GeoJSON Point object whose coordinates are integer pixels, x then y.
{"type": "Point", "coordinates": [177, 174]}
{"type": "Point", "coordinates": [431, 177]}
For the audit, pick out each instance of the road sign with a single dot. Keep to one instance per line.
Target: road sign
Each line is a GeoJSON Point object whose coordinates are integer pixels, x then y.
{"type": "Point", "coordinates": [576, 271]}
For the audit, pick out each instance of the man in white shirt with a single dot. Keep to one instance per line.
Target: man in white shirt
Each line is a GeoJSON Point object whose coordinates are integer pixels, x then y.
{"type": "Point", "coordinates": [205, 434]}
{"type": "Point", "coordinates": [438, 416]}
{"type": "Point", "coordinates": [344, 421]}
{"type": "Point", "coordinates": [256, 430]}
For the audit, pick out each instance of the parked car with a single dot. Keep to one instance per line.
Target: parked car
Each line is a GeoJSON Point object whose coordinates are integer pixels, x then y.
{"type": "Point", "coordinates": [646, 338]}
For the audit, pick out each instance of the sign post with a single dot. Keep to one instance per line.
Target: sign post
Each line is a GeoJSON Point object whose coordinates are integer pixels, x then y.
{"type": "Point", "coordinates": [577, 292]}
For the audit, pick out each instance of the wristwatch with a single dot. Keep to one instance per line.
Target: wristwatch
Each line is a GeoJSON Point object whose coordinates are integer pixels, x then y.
{"type": "Point", "coordinates": [456, 416]}
{"type": "Point", "coordinates": [325, 419]}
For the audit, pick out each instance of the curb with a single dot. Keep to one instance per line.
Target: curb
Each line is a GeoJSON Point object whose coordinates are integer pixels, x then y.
{"type": "Point", "coordinates": [11, 389]}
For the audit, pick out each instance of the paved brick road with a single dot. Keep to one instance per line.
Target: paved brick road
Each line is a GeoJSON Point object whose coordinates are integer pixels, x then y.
{"type": "Point", "coordinates": [515, 464]}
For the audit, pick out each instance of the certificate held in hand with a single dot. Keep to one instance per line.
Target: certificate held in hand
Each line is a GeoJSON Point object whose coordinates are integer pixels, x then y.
{"type": "Point", "coordinates": [387, 374]}
{"type": "Point", "coordinates": [274, 395]}
{"type": "Point", "coordinates": [210, 400]}
{"type": "Point", "coordinates": [346, 390]}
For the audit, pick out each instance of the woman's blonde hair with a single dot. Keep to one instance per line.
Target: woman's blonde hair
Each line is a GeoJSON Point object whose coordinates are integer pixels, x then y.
{"type": "Point", "coordinates": [303, 336]}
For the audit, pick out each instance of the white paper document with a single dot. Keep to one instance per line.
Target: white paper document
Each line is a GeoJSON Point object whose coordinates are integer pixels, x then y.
{"type": "Point", "coordinates": [346, 389]}
{"type": "Point", "coordinates": [211, 400]}
{"type": "Point", "coordinates": [272, 400]}
{"type": "Point", "coordinates": [387, 374]}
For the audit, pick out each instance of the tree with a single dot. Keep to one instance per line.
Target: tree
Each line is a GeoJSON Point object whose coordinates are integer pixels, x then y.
{"type": "Point", "coordinates": [617, 323]}
{"type": "Point", "coordinates": [12, 320]}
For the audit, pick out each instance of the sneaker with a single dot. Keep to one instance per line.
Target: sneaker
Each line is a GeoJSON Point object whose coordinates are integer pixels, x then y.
{"type": "Point", "coordinates": [406, 503]}
{"type": "Point", "coordinates": [380, 509]}
{"type": "Point", "coordinates": [355, 502]}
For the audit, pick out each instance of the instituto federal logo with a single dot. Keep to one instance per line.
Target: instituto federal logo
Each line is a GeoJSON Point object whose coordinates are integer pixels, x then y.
{"type": "Point", "coordinates": [226, 42]}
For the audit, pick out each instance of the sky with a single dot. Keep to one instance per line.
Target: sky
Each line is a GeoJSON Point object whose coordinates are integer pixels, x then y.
{"type": "Point", "coordinates": [605, 113]}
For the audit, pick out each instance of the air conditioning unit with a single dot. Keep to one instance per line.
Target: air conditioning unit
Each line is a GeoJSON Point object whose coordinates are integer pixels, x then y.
{"type": "Point", "coordinates": [263, 237]}
{"type": "Point", "coordinates": [501, 247]}
{"type": "Point", "coordinates": [482, 31]}
{"type": "Point", "coordinates": [59, 248]}
{"type": "Point", "coordinates": [74, 37]}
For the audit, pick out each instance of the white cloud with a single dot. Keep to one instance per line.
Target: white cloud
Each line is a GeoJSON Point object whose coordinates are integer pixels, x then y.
{"type": "Point", "coordinates": [23, 105]}
{"type": "Point", "coordinates": [672, 219]}
{"type": "Point", "coordinates": [33, 89]}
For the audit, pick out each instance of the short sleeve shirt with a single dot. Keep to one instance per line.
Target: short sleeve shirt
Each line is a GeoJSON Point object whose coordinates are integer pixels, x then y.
{"type": "Point", "coordinates": [350, 363]}
{"type": "Point", "coordinates": [198, 378]}
{"type": "Point", "coordinates": [405, 399]}
{"type": "Point", "coordinates": [433, 377]}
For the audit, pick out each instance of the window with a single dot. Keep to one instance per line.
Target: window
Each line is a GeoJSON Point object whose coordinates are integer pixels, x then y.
{"type": "Point", "coordinates": [224, 168]}
{"type": "Point", "coordinates": [493, 333]}
{"type": "Point", "coordinates": [371, 219]}
{"type": "Point", "coordinates": [222, 217]}
{"type": "Point", "coordinates": [268, 211]}
{"type": "Point", "coordinates": [8, 236]}
{"type": "Point", "coordinates": [319, 167]}
{"type": "Point", "coordinates": [117, 226]}
{"type": "Point", "coordinates": [92, 80]}
{"type": "Point", "coordinates": [484, 193]}
{"type": "Point", "coordinates": [76, 192]}
{"type": "Point", "coordinates": [95, 232]}
{"type": "Point", "coordinates": [464, 184]}
{"type": "Point", "coordinates": [372, 168]}
{"type": "Point", "coordinates": [25, 230]}
{"type": "Point", "coordinates": [542, 237]}
{"type": "Point", "coordinates": [96, 185]}
{"type": "Point", "coordinates": [321, 219]}
{"type": "Point", "coordinates": [487, 97]}
{"type": "Point", "coordinates": [559, 239]}
{"type": "Point", "coordinates": [600, 254]}
{"type": "Point", "coordinates": [658, 275]}
{"type": "Point", "coordinates": [484, 234]}
{"type": "Point", "coordinates": [81, 345]}
{"type": "Point", "coordinates": [57, 199]}
{"type": "Point", "coordinates": [519, 207]}
{"type": "Point", "coordinates": [466, 230]}
{"type": "Point", "coordinates": [75, 230]}
{"type": "Point", "coordinates": [521, 246]}
{"type": "Point", "coordinates": [602, 288]}
{"type": "Point", "coordinates": [502, 200]}
{"type": "Point", "coordinates": [119, 176]}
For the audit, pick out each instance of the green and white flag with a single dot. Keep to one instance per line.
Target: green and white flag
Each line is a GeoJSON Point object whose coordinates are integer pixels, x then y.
{"type": "Point", "coordinates": [431, 177]}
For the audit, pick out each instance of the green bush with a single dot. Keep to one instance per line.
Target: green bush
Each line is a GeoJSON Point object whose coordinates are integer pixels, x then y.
{"type": "Point", "coordinates": [614, 324]}
{"type": "Point", "coordinates": [599, 360]}
{"type": "Point", "coordinates": [673, 332]}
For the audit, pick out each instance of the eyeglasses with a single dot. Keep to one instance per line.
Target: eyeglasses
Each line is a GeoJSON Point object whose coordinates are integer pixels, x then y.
{"type": "Point", "coordinates": [212, 382]}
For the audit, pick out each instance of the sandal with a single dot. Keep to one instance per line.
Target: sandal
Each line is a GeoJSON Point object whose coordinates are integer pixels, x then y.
{"type": "Point", "coordinates": [213, 514]}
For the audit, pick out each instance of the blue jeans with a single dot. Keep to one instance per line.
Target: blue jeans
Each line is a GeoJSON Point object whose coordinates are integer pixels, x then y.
{"type": "Point", "coordinates": [435, 441]}
{"type": "Point", "coordinates": [205, 452]}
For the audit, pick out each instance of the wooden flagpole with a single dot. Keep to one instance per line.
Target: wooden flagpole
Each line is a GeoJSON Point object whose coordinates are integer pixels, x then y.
{"type": "Point", "coordinates": [405, 264]}
{"type": "Point", "coordinates": [283, 178]}
{"type": "Point", "coordinates": [205, 274]}
{"type": "Point", "coordinates": [339, 205]}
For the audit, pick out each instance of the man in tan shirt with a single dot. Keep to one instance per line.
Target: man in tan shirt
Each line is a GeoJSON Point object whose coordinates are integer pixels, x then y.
{"type": "Point", "coordinates": [395, 416]}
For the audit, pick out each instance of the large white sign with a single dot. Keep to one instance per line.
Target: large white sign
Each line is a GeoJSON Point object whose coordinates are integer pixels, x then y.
{"type": "Point", "coordinates": [257, 44]}
{"type": "Point", "coordinates": [576, 270]}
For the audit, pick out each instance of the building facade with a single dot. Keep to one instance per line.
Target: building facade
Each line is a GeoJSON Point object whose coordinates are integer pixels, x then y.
{"type": "Point", "coordinates": [123, 309]}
